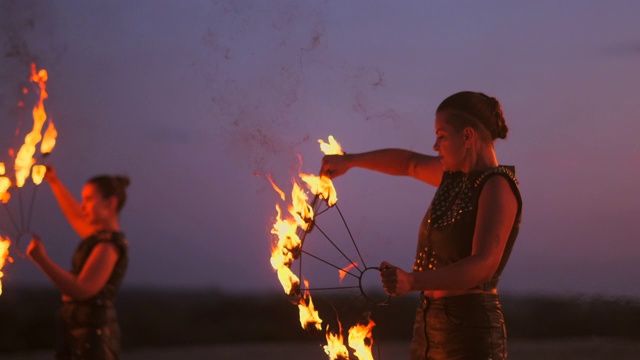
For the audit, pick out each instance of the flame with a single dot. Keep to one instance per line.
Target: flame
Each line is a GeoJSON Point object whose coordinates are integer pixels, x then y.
{"type": "Point", "coordinates": [5, 184]}
{"type": "Point", "coordinates": [309, 316]}
{"type": "Point", "coordinates": [4, 255]}
{"type": "Point", "coordinates": [275, 187]}
{"type": "Point", "coordinates": [331, 148]}
{"type": "Point", "coordinates": [289, 280]}
{"type": "Point", "coordinates": [321, 186]}
{"type": "Point", "coordinates": [2, 169]}
{"type": "Point", "coordinates": [301, 211]}
{"type": "Point", "coordinates": [285, 250]}
{"type": "Point", "coordinates": [335, 347]}
{"type": "Point", "coordinates": [49, 139]}
{"type": "Point", "coordinates": [37, 173]}
{"type": "Point", "coordinates": [343, 272]}
{"type": "Point", "coordinates": [361, 340]}
{"type": "Point", "coordinates": [24, 158]}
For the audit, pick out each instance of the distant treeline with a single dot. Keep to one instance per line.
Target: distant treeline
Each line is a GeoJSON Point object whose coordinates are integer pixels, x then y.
{"type": "Point", "coordinates": [175, 318]}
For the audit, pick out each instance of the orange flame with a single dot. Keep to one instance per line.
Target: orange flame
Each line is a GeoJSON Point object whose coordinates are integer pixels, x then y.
{"type": "Point", "coordinates": [309, 316]}
{"type": "Point", "coordinates": [321, 186]}
{"type": "Point", "coordinates": [275, 187]}
{"type": "Point", "coordinates": [37, 173]}
{"type": "Point", "coordinates": [343, 272]}
{"type": "Point", "coordinates": [331, 148]}
{"type": "Point", "coordinates": [361, 340]}
{"type": "Point", "coordinates": [335, 347]}
{"type": "Point", "coordinates": [24, 158]}
{"type": "Point", "coordinates": [4, 255]}
{"type": "Point", "coordinates": [49, 139]}
{"type": "Point", "coordinates": [301, 211]}
{"type": "Point", "coordinates": [2, 168]}
{"type": "Point", "coordinates": [5, 184]}
{"type": "Point", "coordinates": [284, 251]}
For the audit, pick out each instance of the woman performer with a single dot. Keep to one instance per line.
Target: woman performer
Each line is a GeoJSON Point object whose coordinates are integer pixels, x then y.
{"type": "Point", "coordinates": [466, 236]}
{"type": "Point", "coordinates": [87, 323]}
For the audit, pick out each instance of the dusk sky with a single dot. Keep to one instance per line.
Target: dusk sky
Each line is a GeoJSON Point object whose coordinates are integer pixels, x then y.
{"type": "Point", "coordinates": [197, 101]}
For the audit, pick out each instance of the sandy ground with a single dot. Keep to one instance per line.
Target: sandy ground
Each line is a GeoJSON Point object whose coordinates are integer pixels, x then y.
{"type": "Point", "coordinates": [595, 349]}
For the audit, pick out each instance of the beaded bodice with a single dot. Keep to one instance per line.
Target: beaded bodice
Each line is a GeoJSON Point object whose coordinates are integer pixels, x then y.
{"type": "Point", "coordinates": [446, 232]}
{"type": "Point", "coordinates": [108, 292]}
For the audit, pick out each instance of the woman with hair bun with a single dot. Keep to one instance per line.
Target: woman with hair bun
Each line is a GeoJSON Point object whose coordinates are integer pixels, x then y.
{"type": "Point", "coordinates": [87, 323]}
{"type": "Point", "coordinates": [466, 236]}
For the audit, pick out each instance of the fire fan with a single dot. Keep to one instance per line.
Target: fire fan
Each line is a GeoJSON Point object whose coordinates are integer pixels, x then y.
{"type": "Point", "coordinates": [289, 240]}
{"type": "Point", "coordinates": [25, 175]}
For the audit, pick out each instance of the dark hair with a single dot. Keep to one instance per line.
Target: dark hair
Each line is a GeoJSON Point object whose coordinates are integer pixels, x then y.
{"type": "Point", "coordinates": [109, 186]}
{"type": "Point", "coordinates": [486, 110]}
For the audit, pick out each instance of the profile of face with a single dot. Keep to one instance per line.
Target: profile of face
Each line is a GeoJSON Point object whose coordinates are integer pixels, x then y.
{"type": "Point", "coordinates": [450, 144]}
{"type": "Point", "coordinates": [96, 208]}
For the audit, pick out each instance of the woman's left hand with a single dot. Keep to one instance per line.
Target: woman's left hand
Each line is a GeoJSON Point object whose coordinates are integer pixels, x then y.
{"type": "Point", "coordinates": [395, 281]}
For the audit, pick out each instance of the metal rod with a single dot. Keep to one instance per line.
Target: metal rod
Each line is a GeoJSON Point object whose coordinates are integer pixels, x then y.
{"type": "Point", "coordinates": [13, 221]}
{"type": "Point", "coordinates": [328, 263]}
{"type": "Point", "coordinates": [333, 288]}
{"type": "Point", "coordinates": [351, 236]}
{"type": "Point", "coordinates": [33, 200]}
{"type": "Point", "coordinates": [336, 246]}
{"type": "Point", "coordinates": [21, 211]}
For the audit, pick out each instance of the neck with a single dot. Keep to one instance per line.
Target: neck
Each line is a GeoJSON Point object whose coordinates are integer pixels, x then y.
{"type": "Point", "coordinates": [482, 157]}
{"type": "Point", "coordinates": [108, 225]}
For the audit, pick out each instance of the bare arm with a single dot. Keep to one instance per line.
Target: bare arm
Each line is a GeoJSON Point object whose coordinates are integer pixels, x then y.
{"type": "Point", "coordinates": [497, 208]}
{"type": "Point", "coordinates": [92, 278]}
{"type": "Point", "coordinates": [389, 161]}
{"type": "Point", "coordinates": [69, 205]}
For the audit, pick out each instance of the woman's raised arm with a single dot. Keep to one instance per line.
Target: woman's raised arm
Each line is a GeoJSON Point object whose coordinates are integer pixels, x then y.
{"type": "Point", "coordinates": [71, 208]}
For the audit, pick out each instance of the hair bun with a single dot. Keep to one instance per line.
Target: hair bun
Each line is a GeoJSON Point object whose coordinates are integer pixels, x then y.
{"type": "Point", "coordinates": [499, 129]}
{"type": "Point", "coordinates": [123, 181]}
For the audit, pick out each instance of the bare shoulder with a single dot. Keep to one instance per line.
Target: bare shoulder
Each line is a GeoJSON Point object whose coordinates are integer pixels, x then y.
{"type": "Point", "coordinates": [105, 248]}
{"type": "Point", "coordinates": [497, 191]}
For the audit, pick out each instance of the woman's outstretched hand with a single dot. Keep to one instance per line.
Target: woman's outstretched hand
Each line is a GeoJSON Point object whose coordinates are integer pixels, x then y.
{"type": "Point", "coordinates": [334, 166]}
{"type": "Point", "coordinates": [36, 250]}
{"type": "Point", "coordinates": [395, 281]}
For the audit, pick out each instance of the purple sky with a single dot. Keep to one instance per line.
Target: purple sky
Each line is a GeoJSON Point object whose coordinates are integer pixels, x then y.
{"type": "Point", "coordinates": [193, 99]}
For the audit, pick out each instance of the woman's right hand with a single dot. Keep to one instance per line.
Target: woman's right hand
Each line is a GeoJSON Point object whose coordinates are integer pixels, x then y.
{"type": "Point", "coordinates": [334, 165]}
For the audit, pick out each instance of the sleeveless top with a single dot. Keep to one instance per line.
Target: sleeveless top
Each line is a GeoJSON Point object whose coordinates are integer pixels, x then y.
{"type": "Point", "coordinates": [446, 232]}
{"type": "Point", "coordinates": [108, 292]}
